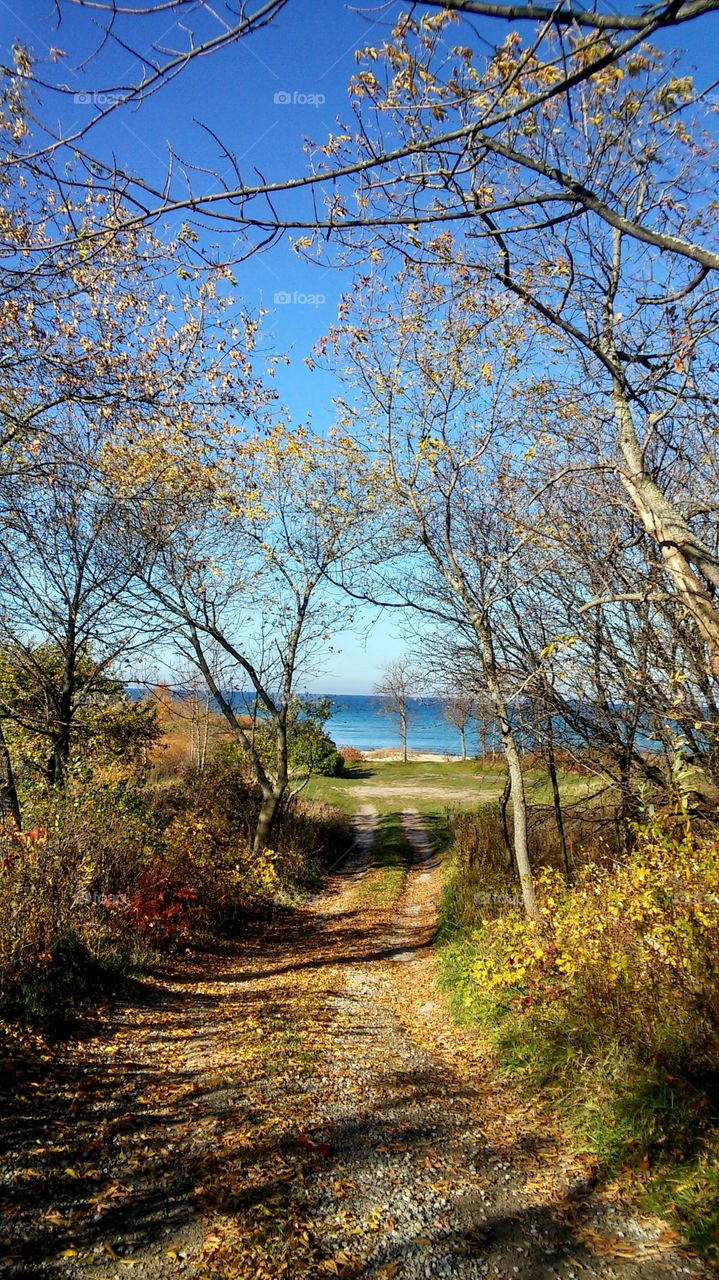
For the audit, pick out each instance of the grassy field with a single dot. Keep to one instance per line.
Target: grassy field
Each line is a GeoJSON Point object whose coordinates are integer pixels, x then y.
{"type": "Point", "coordinates": [431, 787]}
{"type": "Point", "coordinates": [434, 789]}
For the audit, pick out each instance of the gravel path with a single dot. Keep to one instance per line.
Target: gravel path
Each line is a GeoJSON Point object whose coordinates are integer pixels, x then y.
{"type": "Point", "coordinates": [417, 1188]}
{"type": "Point", "coordinates": [302, 1106]}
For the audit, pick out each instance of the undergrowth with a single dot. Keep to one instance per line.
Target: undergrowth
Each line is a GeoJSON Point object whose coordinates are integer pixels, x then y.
{"type": "Point", "coordinates": [608, 1013]}
{"type": "Point", "coordinates": [115, 873]}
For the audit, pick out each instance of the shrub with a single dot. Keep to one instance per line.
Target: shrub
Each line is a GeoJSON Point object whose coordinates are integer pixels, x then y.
{"type": "Point", "coordinates": [309, 749]}
{"type": "Point", "coordinates": [208, 847]}
{"type": "Point", "coordinates": [63, 894]}
{"type": "Point", "coordinates": [114, 873]}
{"type": "Point", "coordinates": [631, 950]}
{"type": "Point", "coordinates": [611, 1005]}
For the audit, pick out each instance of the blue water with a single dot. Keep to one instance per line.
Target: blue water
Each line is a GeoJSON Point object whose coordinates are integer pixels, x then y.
{"type": "Point", "coordinates": [358, 721]}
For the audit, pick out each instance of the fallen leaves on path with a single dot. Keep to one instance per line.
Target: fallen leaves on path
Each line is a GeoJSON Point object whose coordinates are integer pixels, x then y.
{"type": "Point", "coordinates": [279, 1111]}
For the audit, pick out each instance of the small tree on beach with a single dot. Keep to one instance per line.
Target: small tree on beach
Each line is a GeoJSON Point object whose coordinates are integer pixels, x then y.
{"type": "Point", "coordinates": [458, 709]}
{"type": "Point", "coordinates": [397, 686]}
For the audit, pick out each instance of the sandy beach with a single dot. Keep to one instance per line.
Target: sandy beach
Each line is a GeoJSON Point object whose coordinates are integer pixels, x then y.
{"type": "Point", "coordinates": [420, 757]}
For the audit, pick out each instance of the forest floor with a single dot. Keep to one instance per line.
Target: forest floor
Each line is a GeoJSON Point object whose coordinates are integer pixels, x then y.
{"type": "Point", "coordinates": [301, 1105]}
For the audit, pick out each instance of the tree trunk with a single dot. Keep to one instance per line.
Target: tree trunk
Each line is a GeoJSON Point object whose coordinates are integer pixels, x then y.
{"type": "Point", "coordinates": [556, 796]}
{"type": "Point", "coordinates": [205, 734]}
{"type": "Point", "coordinates": [60, 754]}
{"type": "Point", "coordinates": [678, 545]}
{"type": "Point", "coordinates": [503, 802]}
{"type": "Point", "coordinates": [9, 803]}
{"type": "Point", "coordinates": [514, 766]}
{"type": "Point", "coordinates": [629, 811]}
{"type": "Point", "coordinates": [266, 822]}
{"type": "Point", "coordinates": [519, 810]}
{"type": "Point", "coordinates": [463, 740]}
{"type": "Point", "coordinates": [273, 792]}
{"type": "Point", "coordinates": [403, 721]}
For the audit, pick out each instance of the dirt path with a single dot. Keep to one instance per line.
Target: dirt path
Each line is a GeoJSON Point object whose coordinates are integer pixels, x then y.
{"type": "Point", "coordinates": [301, 1106]}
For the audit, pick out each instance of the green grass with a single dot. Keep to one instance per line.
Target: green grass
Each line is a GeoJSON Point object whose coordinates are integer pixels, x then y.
{"type": "Point", "coordinates": [689, 1192]}
{"type": "Point", "coordinates": [391, 858]}
{"type": "Point", "coordinates": [52, 996]}
{"type": "Point", "coordinates": [432, 786]}
{"type": "Point", "coordinates": [363, 783]}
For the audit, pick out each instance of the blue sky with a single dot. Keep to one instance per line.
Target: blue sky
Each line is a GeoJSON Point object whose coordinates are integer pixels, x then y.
{"type": "Point", "coordinates": [307, 55]}
{"type": "Point", "coordinates": [264, 97]}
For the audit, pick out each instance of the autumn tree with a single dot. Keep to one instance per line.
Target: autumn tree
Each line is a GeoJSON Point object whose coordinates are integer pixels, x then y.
{"type": "Point", "coordinates": [102, 726]}
{"type": "Point", "coordinates": [106, 344]}
{"type": "Point", "coordinates": [449, 449]}
{"type": "Point", "coordinates": [606, 655]}
{"type": "Point", "coordinates": [573, 45]}
{"type": "Point", "coordinates": [458, 707]}
{"type": "Point", "coordinates": [597, 218]}
{"type": "Point", "coordinates": [243, 541]}
{"type": "Point", "coordinates": [63, 619]}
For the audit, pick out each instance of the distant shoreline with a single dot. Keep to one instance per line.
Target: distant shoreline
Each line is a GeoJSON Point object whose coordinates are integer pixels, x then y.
{"type": "Point", "coordinates": [395, 754]}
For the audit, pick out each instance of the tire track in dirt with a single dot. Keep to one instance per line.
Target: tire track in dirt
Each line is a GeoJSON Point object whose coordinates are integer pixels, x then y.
{"type": "Point", "coordinates": [436, 1169]}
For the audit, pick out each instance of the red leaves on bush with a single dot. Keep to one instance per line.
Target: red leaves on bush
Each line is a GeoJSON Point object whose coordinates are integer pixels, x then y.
{"type": "Point", "coordinates": [162, 911]}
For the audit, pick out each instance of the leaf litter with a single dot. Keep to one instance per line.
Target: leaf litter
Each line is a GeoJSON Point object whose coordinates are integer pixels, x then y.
{"type": "Point", "coordinates": [299, 1105]}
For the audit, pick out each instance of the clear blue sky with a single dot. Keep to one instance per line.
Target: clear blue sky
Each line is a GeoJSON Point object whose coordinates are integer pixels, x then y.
{"type": "Point", "coordinates": [307, 56]}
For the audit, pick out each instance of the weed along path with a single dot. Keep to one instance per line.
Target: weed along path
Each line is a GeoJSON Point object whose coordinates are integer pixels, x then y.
{"type": "Point", "coordinates": [301, 1106]}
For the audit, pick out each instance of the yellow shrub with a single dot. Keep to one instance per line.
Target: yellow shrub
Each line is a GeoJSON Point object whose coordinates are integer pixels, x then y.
{"type": "Point", "coordinates": [636, 946]}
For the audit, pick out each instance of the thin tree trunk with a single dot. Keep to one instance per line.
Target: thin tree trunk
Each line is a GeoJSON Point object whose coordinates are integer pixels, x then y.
{"type": "Point", "coordinates": [514, 766]}
{"type": "Point", "coordinates": [60, 754]}
{"type": "Point", "coordinates": [463, 740]}
{"type": "Point", "coordinates": [9, 803]}
{"type": "Point", "coordinates": [556, 796]}
{"type": "Point", "coordinates": [519, 810]}
{"type": "Point", "coordinates": [269, 811]}
{"type": "Point", "coordinates": [456, 580]}
{"type": "Point", "coordinates": [205, 734]}
{"type": "Point", "coordinates": [629, 809]}
{"type": "Point", "coordinates": [194, 731]}
{"type": "Point", "coordinates": [681, 550]}
{"type": "Point", "coordinates": [403, 721]}
{"type": "Point", "coordinates": [503, 802]}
